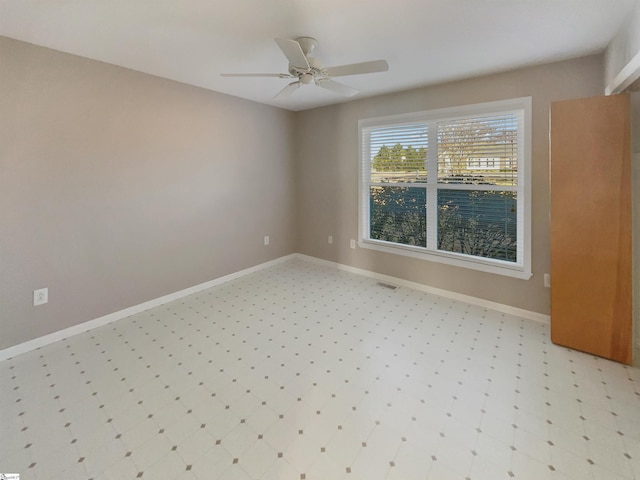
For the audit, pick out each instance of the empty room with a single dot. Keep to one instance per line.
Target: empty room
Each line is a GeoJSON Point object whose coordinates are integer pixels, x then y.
{"type": "Point", "coordinates": [320, 240]}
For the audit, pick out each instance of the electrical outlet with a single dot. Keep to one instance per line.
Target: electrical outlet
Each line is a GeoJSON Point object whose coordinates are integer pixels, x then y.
{"type": "Point", "coordinates": [40, 296]}
{"type": "Point", "coordinates": [353, 243]}
{"type": "Point", "coordinates": [330, 239]}
{"type": "Point", "coordinates": [547, 280]}
{"type": "Point", "coordinates": [266, 239]}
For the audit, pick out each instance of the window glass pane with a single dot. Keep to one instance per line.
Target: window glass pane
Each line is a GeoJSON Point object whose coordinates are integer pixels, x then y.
{"type": "Point", "coordinates": [481, 150]}
{"type": "Point", "coordinates": [398, 154]}
{"type": "Point", "coordinates": [398, 215]}
{"type": "Point", "coordinates": [480, 223]}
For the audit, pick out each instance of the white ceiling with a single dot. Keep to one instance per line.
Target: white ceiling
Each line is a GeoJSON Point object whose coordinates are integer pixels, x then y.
{"type": "Point", "coordinates": [424, 41]}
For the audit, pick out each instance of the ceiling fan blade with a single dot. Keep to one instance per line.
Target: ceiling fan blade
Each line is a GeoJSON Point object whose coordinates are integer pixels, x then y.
{"type": "Point", "coordinates": [336, 87]}
{"type": "Point", "coordinates": [293, 52]}
{"type": "Point", "coordinates": [276, 75]}
{"type": "Point", "coordinates": [287, 91]}
{"type": "Point", "coordinates": [358, 68]}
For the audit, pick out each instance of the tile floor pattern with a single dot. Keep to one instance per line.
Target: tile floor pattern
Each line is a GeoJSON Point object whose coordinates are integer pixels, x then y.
{"type": "Point", "coordinates": [302, 371]}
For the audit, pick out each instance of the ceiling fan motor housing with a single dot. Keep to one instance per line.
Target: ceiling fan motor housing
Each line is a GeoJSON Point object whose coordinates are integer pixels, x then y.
{"type": "Point", "coordinates": [306, 78]}
{"type": "Point", "coordinates": [314, 69]}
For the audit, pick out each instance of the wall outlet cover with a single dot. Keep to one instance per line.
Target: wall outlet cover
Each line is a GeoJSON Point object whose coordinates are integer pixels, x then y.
{"type": "Point", "coordinates": [40, 296]}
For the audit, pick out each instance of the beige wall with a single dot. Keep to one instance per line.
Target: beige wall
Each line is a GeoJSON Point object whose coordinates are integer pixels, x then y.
{"type": "Point", "coordinates": [327, 177]}
{"type": "Point", "coordinates": [117, 187]}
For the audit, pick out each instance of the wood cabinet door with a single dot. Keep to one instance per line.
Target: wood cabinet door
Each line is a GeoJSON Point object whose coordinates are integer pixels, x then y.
{"type": "Point", "coordinates": [591, 307]}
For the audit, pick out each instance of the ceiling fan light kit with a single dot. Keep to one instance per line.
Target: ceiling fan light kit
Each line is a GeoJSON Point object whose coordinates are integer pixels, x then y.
{"type": "Point", "coordinates": [306, 69]}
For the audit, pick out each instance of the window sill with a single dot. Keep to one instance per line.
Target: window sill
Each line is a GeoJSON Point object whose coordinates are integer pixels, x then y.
{"type": "Point", "coordinates": [458, 260]}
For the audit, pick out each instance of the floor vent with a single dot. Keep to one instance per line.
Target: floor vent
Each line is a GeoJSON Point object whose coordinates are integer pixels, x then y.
{"type": "Point", "coordinates": [386, 285]}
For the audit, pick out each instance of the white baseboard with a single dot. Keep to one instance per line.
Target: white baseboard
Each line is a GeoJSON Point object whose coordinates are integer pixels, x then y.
{"type": "Point", "coordinates": [39, 342]}
{"type": "Point", "coordinates": [480, 302]}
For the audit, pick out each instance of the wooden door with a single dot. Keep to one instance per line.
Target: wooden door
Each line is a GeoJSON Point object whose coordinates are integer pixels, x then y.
{"type": "Point", "coordinates": [591, 306]}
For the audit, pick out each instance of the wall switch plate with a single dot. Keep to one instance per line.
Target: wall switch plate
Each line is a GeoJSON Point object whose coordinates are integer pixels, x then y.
{"type": "Point", "coordinates": [330, 239]}
{"type": "Point", "coordinates": [266, 239]}
{"type": "Point", "coordinates": [40, 296]}
{"type": "Point", "coordinates": [353, 243]}
{"type": "Point", "coordinates": [547, 280]}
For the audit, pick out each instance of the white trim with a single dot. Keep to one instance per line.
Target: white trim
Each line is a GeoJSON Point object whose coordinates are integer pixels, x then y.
{"type": "Point", "coordinates": [625, 77]}
{"type": "Point", "coordinates": [479, 302]}
{"type": "Point", "coordinates": [45, 340]}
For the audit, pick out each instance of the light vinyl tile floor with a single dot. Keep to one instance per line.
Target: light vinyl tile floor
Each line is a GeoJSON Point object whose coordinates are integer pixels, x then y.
{"type": "Point", "coordinates": [302, 371]}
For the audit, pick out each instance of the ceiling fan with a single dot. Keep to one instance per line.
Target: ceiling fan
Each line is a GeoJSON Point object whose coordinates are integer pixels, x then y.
{"type": "Point", "coordinates": [306, 69]}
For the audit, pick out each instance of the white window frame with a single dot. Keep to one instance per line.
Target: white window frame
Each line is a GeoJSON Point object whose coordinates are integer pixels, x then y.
{"type": "Point", "coordinates": [522, 267]}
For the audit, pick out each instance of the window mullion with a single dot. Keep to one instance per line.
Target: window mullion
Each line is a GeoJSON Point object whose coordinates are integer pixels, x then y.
{"type": "Point", "coordinates": [432, 189]}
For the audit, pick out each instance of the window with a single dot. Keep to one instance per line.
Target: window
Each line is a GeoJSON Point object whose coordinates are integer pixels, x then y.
{"type": "Point", "coordinates": [450, 185]}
